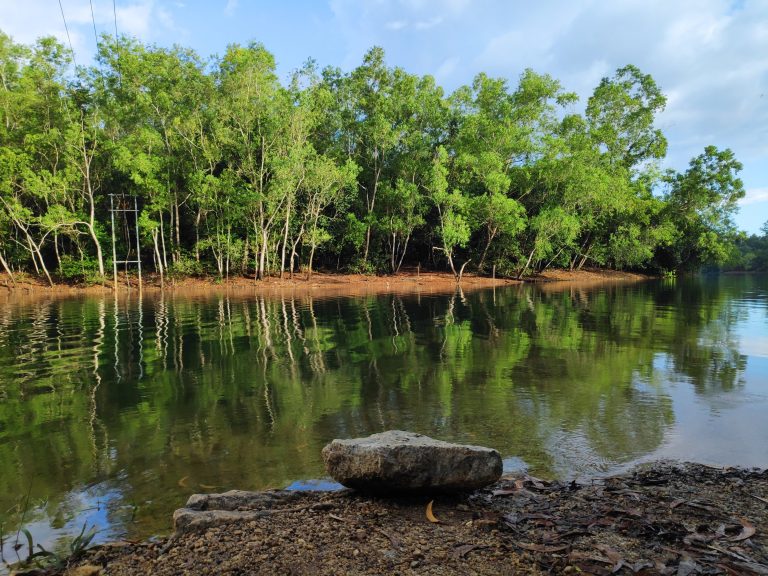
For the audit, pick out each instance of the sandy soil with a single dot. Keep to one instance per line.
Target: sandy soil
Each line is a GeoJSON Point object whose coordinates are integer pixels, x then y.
{"type": "Point", "coordinates": [587, 275]}
{"type": "Point", "coordinates": [320, 284]}
{"type": "Point", "coordinates": [658, 519]}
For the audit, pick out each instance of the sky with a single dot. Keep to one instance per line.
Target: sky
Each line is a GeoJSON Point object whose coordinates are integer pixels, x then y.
{"type": "Point", "coordinates": [710, 57]}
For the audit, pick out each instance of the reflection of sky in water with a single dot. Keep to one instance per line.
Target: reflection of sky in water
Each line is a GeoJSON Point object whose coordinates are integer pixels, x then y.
{"type": "Point", "coordinates": [721, 428]}
{"type": "Point", "coordinates": [318, 485]}
{"type": "Point", "coordinates": [724, 427]}
{"type": "Point", "coordinates": [92, 507]}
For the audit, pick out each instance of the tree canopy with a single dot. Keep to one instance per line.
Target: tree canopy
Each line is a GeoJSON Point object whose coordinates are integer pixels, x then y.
{"type": "Point", "coordinates": [368, 170]}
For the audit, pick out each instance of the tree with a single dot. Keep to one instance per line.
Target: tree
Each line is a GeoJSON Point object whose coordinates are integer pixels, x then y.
{"type": "Point", "coordinates": [325, 184]}
{"type": "Point", "coordinates": [621, 113]}
{"type": "Point", "coordinates": [701, 203]}
{"type": "Point", "coordinates": [453, 230]}
{"type": "Point", "coordinates": [252, 108]}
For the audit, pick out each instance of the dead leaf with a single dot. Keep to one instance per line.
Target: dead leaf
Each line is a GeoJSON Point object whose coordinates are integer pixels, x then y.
{"type": "Point", "coordinates": [676, 503]}
{"type": "Point", "coordinates": [728, 569]}
{"type": "Point", "coordinates": [704, 507]}
{"type": "Point", "coordinates": [537, 482]}
{"type": "Point", "coordinates": [430, 516]}
{"type": "Point", "coordinates": [613, 555]}
{"type": "Point", "coordinates": [207, 486]}
{"type": "Point", "coordinates": [504, 492]}
{"type": "Point", "coordinates": [753, 567]}
{"type": "Point", "coordinates": [747, 531]}
{"type": "Point", "coordinates": [542, 548]}
{"type": "Point", "coordinates": [485, 522]}
{"type": "Point", "coordinates": [183, 482]}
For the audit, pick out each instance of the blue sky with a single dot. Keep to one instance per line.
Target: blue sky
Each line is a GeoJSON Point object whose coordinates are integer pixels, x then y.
{"type": "Point", "coordinates": [709, 56]}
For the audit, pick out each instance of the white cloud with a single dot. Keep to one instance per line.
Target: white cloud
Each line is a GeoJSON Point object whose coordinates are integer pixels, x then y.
{"type": "Point", "coordinates": [446, 69]}
{"type": "Point", "coordinates": [144, 19]}
{"type": "Point", "coordinates": [230, 8]}
{"type": "Point", "coordinates": [754, 196]}
{"type": "Point", "coordinates": [417, 25]}
{"type": "Point", "coordinates": [135, 19]}
{"type": "Point", "coordinates": [427, 24]}
{"type": "Point", "coordinates": [396, 25]}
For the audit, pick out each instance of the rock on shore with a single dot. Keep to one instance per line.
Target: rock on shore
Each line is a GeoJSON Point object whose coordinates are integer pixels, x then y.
{"type": "Point", "coordinates": [404, 461]}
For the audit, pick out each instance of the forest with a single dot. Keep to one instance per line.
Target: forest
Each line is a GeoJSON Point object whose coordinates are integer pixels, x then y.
{"type": "Point", "coordinates": [369, 171]}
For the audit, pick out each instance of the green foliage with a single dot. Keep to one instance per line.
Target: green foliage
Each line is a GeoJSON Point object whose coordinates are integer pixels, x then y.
{"type": "Point", "coordinates": [701, 203]}
{"type": "Point", "coordinates": [751, 252]}
{"type": "Point", "coordinates": [185, 267]}
{"type": "Point", "coordinates": [79, 271]}
{"type": "Point", "coordinates": [363, 170]}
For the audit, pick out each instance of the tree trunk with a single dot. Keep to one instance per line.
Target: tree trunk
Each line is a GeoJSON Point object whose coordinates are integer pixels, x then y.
{"type": "Point", "coordinates": [548, 264]}
{"type": "Point", "coordinates": [392, 253]}
{"type": "Point", "coordinates": [461, 271]}
{"type": "Point", "coordinates": [449, 255]}
{"type": "Point", "coordinates": [177, 252]}
{"type": "Point", "coordinates": [246, 250]}
{"type": "Point", "coordinates": [371, 205]}
{"type": "Point", "coordinates": [402, 254]}
{"type": "Point", "coordinates": [97, 245]}
{"type": "Point", "coordinates": [285, 238]}
{"type": "Point", "coordinates": [4, 264]}
{"type": "Point", "coordinates": [32, 252]}
{"type": "Point", "coordinates": [159, 264]}
{"type": "Point", "coordinates": [162, 240]}
{"type": "Point", "coordinates": [311, 257]}
{"type": "Point", "coordinates": [491, 236]}
{"type": "Point", "coordinates": [263, 254]}
{"type": "Point", "coordinates": [197, 234]}
{"type": "Point", "coordinates": [528, 263]}
{"type": "Point", "coordinates": [56, 251]}
{"type": "Point", "coordinates": [42, 265]}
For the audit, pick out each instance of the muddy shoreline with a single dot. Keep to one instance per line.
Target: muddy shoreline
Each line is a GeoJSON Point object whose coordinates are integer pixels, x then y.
{"type": "Point", "coordinates": [662, 518]}
{"type": "Point", "coordinates": [319, 284]}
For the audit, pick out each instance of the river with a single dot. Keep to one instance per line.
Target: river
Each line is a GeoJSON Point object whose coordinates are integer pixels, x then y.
{"type": "Point", "coordinates": [113, 411]}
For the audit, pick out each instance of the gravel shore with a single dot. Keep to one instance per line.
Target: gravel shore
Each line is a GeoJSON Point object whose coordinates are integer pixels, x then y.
{"type": "Point", "coordinates": [657, 519]}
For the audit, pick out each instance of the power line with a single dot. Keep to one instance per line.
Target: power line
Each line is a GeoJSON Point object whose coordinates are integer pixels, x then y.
{"type": "Point", "coordinates": [93, 19]}
{"type": "Point", "coordinates": [114, 12]}
{"type": "Point", "coordinates": [117, 46]}
{"type": "Point", "coordinates": [66, 29]}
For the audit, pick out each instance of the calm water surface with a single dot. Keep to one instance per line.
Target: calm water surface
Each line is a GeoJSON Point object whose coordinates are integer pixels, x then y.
{"type": "Point", "coordinates": [113, 412]}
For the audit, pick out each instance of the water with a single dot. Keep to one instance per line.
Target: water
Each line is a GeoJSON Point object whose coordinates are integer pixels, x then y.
{"type": "Point", "coordinates": [113, 412]}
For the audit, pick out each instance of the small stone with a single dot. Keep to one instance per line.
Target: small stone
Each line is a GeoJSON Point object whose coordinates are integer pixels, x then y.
{"type": "Point", "coordinates": [390, 554]}
{"type": "Point", "coordinates": [405, 461]}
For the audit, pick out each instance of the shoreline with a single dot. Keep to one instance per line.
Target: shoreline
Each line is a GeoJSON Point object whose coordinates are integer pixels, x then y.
{"type": "Point", "coordinates": [658, 518]}
{"type": "Point", "coordinates": [320, 284]}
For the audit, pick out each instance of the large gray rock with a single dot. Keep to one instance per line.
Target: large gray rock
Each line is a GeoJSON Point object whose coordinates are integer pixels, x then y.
{"type": "Point", "coordinates": [405, 461]}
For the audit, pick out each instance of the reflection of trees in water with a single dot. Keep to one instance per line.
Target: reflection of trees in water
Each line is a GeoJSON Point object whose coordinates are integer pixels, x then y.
{"type": "Point", "coordinates": [244, 391]}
